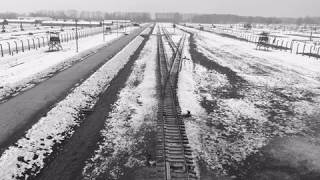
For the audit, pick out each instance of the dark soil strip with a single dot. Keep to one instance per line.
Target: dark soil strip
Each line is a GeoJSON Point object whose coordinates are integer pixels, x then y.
{"type": "Point", "coordinates": [311, 55]}
{"type": "Point", "coordinates": [229, 36]}
{"type": "Point", "coordinates": [236, 82]}
{"type": "Point", "coordinates": [201, 59]}
{"type": "Point", "coordinates": [68, 161]}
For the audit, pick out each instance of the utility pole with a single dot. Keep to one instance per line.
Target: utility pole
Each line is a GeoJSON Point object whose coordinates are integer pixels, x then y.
{"type": "Point", "coordinates": [77, 46]}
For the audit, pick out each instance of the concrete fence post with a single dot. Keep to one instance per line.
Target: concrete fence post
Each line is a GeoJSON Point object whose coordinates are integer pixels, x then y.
{"type": "Point", "coordinates": [9, 48]}
{"type": "Point", "coordinates": [297, 52]}
{"type": "Point", "coordinates": [47, 40]}
{"type": "Point", "coordinates": [34, 45]}
{"type": "Point", "coordinates": [28, 41]}
{"type": "Point", "coordinates": [22, 46]}
{"type": "Point", "coordinates": [304, 47]}
{"type": "Point", "coordinates": [43, 41]}
{"type": "Point", "coordinates": [1, 50]}
{"type": "Point", "coordinates": [15, 42]}
{"type": "Point", "coordinates": [60, 37]}
{"type": "Point", "coordinates": [318, 52]}
{"type": "Point", "coordinates": [291, 46]}
{"type": "Point", "coordinates": [39, 42]}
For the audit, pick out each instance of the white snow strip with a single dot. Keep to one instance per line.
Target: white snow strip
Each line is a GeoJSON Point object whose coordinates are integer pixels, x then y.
{"type": "Point", "coordinates": [134, 111]}
{"type": "Point", "coordinates": [188, 99]}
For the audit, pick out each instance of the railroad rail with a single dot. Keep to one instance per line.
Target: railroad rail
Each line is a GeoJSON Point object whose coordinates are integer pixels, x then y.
{"type": "Point", "coordinates": [174, 155]}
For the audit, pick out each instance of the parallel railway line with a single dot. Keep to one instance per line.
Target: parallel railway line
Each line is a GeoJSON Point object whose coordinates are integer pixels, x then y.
{"type": "Point", "coordinates": [174, 155]}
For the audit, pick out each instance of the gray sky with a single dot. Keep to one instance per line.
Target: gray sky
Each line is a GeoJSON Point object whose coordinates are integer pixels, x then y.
{"type": "Point", "coordinates": [288, 8]}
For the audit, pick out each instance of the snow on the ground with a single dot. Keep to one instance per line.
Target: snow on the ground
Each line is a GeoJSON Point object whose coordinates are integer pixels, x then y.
{"type": "Point", "coordinates": [186, 85]}
{"type": "Point", "coordinates": [26, 157]}
{"type": "Point", "coordinates": [126, 129]}
{"type": "Point", "coordinates": [251, 97]}
{"type": "Point", "coordinates": [189, 100]}
{"type": "Point", "coordinates": [23, 71]}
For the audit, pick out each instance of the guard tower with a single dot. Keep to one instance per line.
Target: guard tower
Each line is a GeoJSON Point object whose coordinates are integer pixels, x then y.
{"type": "Point", "coordinates": [54, 41]}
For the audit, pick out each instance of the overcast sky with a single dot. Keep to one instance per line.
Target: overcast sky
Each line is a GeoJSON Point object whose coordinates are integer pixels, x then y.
{"type": "Point", "coordinates": [288, 8]}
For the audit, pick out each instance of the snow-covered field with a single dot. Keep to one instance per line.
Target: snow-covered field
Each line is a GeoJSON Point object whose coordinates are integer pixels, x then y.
{"type": "Point", "coordinates": [295, 41]}
{"type": "Point", "coordinates": [23, 71]}
{"type": "Point", "coordinates": [131, 122]}
{"type": "Point", "coordinates": [27, 156]}
{"type": "Point", "coordinates": [250, 98]}
{"type": "Point", "coordinates": [252, 111]}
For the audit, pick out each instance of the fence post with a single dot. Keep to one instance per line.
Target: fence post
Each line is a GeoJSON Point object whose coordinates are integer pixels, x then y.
{"type": "Point", "coordinates": [15, 42]}
{"type": "Point", "coordinates": [298, 48]}
{"type": "Point", "coordinates": [1, 50]}
{"type": "Point", "coordinates": [38, 42]}
{"type": "Point", "coordinates": [22, 46]}
{"type": "Point", "coordinates": [60, 37]}
{"type": "Point", "coordinates": [28, 44]}
{"type": "Point", "coordinates": [34, 45]}
{"type": "Point", "coordinates": [304, 47]}
{"type": "Point", "coordinates": [318, 52]}
{"type": "Point", "coordinates": [310, 50]}
{"type": "Point", "coordinates": [287, 45]}
{"type": "Point", "coordinates": [47, 40]}
{"type": "Point", "coordinates": [281, 45]}
{"type": "Point", "coordinates": [9, 48]}
{"type": "Point", "coordinates": [43, 41]}
{"type": "Point", "coordinates": [291, 46]}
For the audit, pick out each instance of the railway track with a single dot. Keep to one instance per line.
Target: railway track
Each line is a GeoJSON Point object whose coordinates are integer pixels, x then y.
{"type": "Point", "coordinates": [174, 155]}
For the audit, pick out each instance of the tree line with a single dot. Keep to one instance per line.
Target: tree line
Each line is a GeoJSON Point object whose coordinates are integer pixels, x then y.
{"type": "Point", "coordinates": [228, 18]}
{"type": "Point", "coordinates": [169, 17]}
{"type": "Point", "coordinates": [84, 15]}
